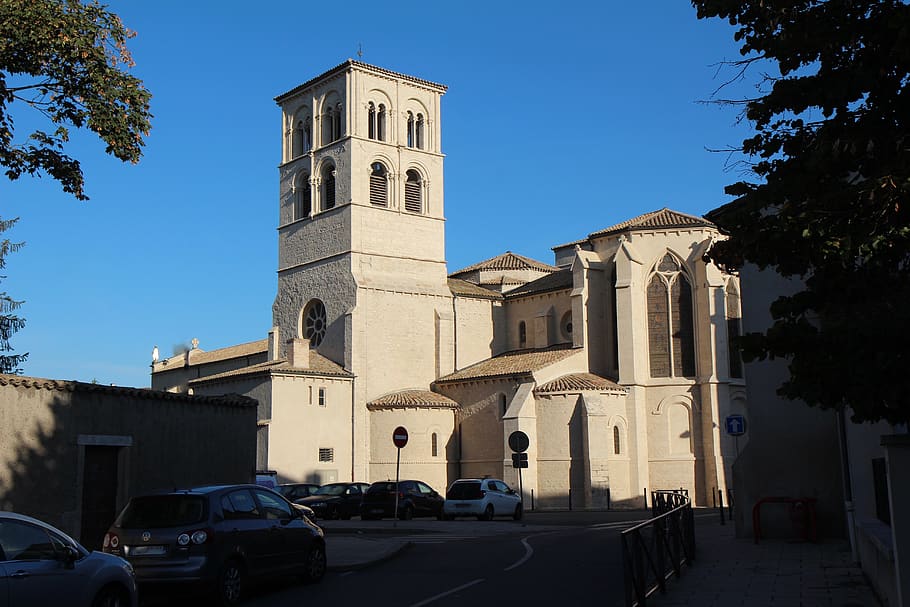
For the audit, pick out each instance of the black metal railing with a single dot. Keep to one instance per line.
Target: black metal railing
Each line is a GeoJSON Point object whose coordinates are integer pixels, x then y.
{"type": "Point", "coordinates": [657, 549]}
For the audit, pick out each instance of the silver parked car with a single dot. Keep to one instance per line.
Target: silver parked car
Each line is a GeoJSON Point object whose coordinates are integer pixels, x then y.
{"type": "Point", "coordinates": [483, 498]}
{"type": "Point", "coordinates": [41, 565]}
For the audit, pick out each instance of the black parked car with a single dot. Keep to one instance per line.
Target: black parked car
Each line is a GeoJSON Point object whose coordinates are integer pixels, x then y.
{"type": "Point", "coordinates": [336, 500]}
{"type": "Point", "coordinates": [415, 498]}
{"type": "Point", "coordinates": [217, 538]}
{"type": "Point", "coordinates": [296, 491]}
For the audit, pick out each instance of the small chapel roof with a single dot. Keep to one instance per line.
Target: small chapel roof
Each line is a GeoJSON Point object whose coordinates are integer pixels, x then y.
{"type": "Point", "coordinates": [412, 399]}
{"type": "Point", "coordinates": [516, 362]}
{"type": "Point", "coordinates": [201, 357]}
{"type": "Point", "coordinates": [507, 261]}
{"type": "Point", "coordinates": [557, 281]}
{"type": "Point", "coordinates": [318, 365]}
{"type": "Point", "coordinates": [579, 382]}
{"type": "Point", "coordinates": [464, 288]}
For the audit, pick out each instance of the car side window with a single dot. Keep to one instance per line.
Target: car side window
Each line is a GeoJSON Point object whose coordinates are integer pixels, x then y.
{"type": "Point", "coordinates": [354, 490]}
{"type": "Point", "coordinates": [23, 542]}
{"type": "Point", "coordinates": [490, 486]}
{"type": "Point", "coordinates": [502, 487]}
{"type": "Point", "coordinates": [407, 487]}
{"type": "Point", "coordinates": [424, 489]}
{"type": "Point", "coordinates": [275, 508]}
{"type": "Point", "coordinates": [239, 505]}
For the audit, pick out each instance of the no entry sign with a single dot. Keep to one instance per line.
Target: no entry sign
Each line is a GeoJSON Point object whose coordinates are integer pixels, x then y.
{"type": "Point", "coordinates": [400, 436]}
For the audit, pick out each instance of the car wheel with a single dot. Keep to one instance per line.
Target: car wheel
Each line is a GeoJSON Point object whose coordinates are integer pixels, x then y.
{"type": "Point", "coordinates": [230, 582]}
{"type": "Point", "coordinates": [487, 513]}
{"type": "Point", "coordinates": [111, 596]}
{"type": "Point", "coordinates": [519, 512]}
{"type": "Point", "coordinates": [406, 514]}
{"type": "Point", "coordinates": [315, 566]}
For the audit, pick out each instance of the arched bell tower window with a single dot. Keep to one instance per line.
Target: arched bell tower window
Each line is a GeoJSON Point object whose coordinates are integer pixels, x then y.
{"type": "Point", "coordinates": [380, 123]}
{"type": "Point", "coordinates": [413, 192]}
{"type": "Point", "coordinates": [379, 189]}
{"type": "Point", "coordinates": [671, 331]}
{"type": "Point", "coordinates": [303, 202]}
{"type": "Point", "coordinates": [302, 137]}
{"type": "Point", "coordinates": [419, 132]}
{"type": "Point", "coordinates": [371, 121]}
{"type": "Point", "coordinates": [331, 124]}
{"type": "Point", "coordinates": [410, 130]}
{"type": "Point", "coordinates": [328, 188]}
{"type": "Point", "coordinates": [313, 322]}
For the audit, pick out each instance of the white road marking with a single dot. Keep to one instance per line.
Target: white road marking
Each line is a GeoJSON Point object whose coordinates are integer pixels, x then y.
{"type": "Point", "coordinates": [447, 593]}
{"type": "Point", "coordinates": [529, 552]}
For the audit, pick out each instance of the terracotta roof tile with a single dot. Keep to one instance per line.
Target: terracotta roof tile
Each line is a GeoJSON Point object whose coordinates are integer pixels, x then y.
{"type": "Point", "coordinates": [580, 382]}
{"type": "Point", "coordinates": [517, 362]}
{"type": "Point", "coordinates": [463, 288]}
{"type": "Point", "coordinates": [656, 220]}
{"type": "Point", "coordinates": [410, 399]}
{"type": "Point", "coordinates": [507, 261]}
{"type": "Point", "coordinates": [557, 281]}
{"type": "Point", "coordinates": [319, 365]}
{"type": "Point", "coordinates": [37, 383]}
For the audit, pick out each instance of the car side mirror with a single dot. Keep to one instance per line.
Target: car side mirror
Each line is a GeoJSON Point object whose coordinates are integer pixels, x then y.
{"type": "Point", "coordinates": [69, 556]}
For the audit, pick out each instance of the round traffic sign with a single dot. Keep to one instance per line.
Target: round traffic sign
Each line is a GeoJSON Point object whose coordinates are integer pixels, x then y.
{"type": "Point", "coordinates": [519, 441]}
{"type": "Point", "coordinates": [400, 436]}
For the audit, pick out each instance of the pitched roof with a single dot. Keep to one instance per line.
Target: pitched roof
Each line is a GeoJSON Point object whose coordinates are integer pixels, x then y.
{"type": "Point", "coordinates": [463, 288]}
{"type": "Point", "coordinates": [38, 383]}
{"type": "Point", "coordinates": [201, 357]}
{"type": "Point", "coordinates": [517, 362]}
{"type": "Point", "coordinates": [365, 66]}
{"type": "Point", "coordinates": [580, 382]}
{"type": "Point", "coordinates": [557, 281]}
{"type": "Point", "coordinates": [507, 261]}
{"type": "Point", "coordinates": [656, 220]}
{"type": "Point", "coordinates": [319, 365]}
{"type": "Point", "coordinates": [410, 399]}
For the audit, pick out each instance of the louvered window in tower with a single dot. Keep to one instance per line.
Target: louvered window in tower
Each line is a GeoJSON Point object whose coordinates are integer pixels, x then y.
{"type": "Point", "coordinates": [413, 192]}
{"type": "Point", "coordinates": [328, 188]}
{"type": "Point", "coordinates": [379, 189]}
{"type": "Point", "coordinates": [302, 200]}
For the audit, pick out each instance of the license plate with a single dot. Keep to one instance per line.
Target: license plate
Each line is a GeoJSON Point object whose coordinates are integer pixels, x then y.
{"type": "Point", "coordinates": [148, 550]}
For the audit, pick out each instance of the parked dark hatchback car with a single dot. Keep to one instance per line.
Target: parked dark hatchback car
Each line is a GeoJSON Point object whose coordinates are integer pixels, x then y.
{"type": "Point", "coordinates": [41, 565]}
{"type": "Point", "coordinates": [296, 491]}
{"type": "Point", "coordinates": [415, 498]}
{"type": "Point", "coordinates": [336, 500]}
{"type": "Point", "coordinates": [216, 538]}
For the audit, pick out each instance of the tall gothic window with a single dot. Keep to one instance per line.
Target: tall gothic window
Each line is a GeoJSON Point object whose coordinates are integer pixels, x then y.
{"type": "Point", "coordinates": [616, 446]}
{"type": "Point", "coordinates": [328, 188]}
{"type": "Point", "coordinates": [734, 329]}
{"type": "Point", "coordinates": [413, 192]}
{"type": "Point", "coordinates": [671, 331]}
{"type": "Point", "coordinates": [379, 189]}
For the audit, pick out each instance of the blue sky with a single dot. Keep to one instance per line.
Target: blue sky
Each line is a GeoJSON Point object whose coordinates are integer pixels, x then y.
{"type": "Point", "coordinates": [560, 119]}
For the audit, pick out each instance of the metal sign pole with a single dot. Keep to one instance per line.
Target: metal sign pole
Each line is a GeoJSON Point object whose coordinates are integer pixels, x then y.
{"type": "Point", "coordinates": [397, 489]}
{"type": "Point", "coordinates": [521, 489]}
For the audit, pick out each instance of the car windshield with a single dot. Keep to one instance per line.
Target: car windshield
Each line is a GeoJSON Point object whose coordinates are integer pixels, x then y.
{"type": "Point", "coordinates": [159, 511]}
{"type": "Point", "coordinates": [464, 491]}
{"type": "Point", "coordinates": [287, 490]}
{"type": "Point", "coordinates": [331, 490]}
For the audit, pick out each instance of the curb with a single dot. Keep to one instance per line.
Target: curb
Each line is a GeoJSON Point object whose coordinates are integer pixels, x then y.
{"type": "Point", "coordinates": [363, 565]}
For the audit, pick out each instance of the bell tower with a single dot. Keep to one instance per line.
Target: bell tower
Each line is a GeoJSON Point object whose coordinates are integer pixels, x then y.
{"type": "Point", "coordinates": [361, 236]}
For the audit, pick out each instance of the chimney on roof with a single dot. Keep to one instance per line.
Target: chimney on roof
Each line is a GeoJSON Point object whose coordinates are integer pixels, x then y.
{"type": "Point", "coordinates": [274, 342]}
{"type": "Point", "coordinates": [299, 353]}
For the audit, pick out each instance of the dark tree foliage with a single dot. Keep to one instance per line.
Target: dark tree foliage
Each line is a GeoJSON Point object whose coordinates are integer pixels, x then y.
{"type": "Point", "coordinates": [67, 59]}
{"type": "Point", "coordinates": [828, 199]}
{"type": "Point", "coordinates": [10, 322]}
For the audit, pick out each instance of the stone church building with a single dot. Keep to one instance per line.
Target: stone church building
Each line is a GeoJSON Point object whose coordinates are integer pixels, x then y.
{"type": "Point", "coordinates": [614, 360]}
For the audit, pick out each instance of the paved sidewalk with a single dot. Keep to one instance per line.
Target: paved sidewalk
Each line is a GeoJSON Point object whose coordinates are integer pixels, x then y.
{"type": "Point", "coordinates": [775, 573]}
{"type": "Point", "coordinates": [347, 552]}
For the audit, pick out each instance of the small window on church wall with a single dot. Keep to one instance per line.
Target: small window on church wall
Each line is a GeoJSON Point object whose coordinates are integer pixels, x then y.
{"type": "Point", "coordinates": [616, 447]}
{"type": "Point", "coordinates": [311, 395]}
{"type": "Point", "coordinates": [314, 322]}
{"type": "Point", "coordinates": [434, 448]}
{"type": "Point", "coordinates": [413, 190]}
{"type": "Point", "coordinates": [371, 121]}
{"type": "Point", "coordinates": [379, 189]}
{"type": "Point", "coordinates": [326, 454]}
{"type": "Point", "coordinates": [322, 397]}
{"type": "Point", "coordinates": [522, 334]}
